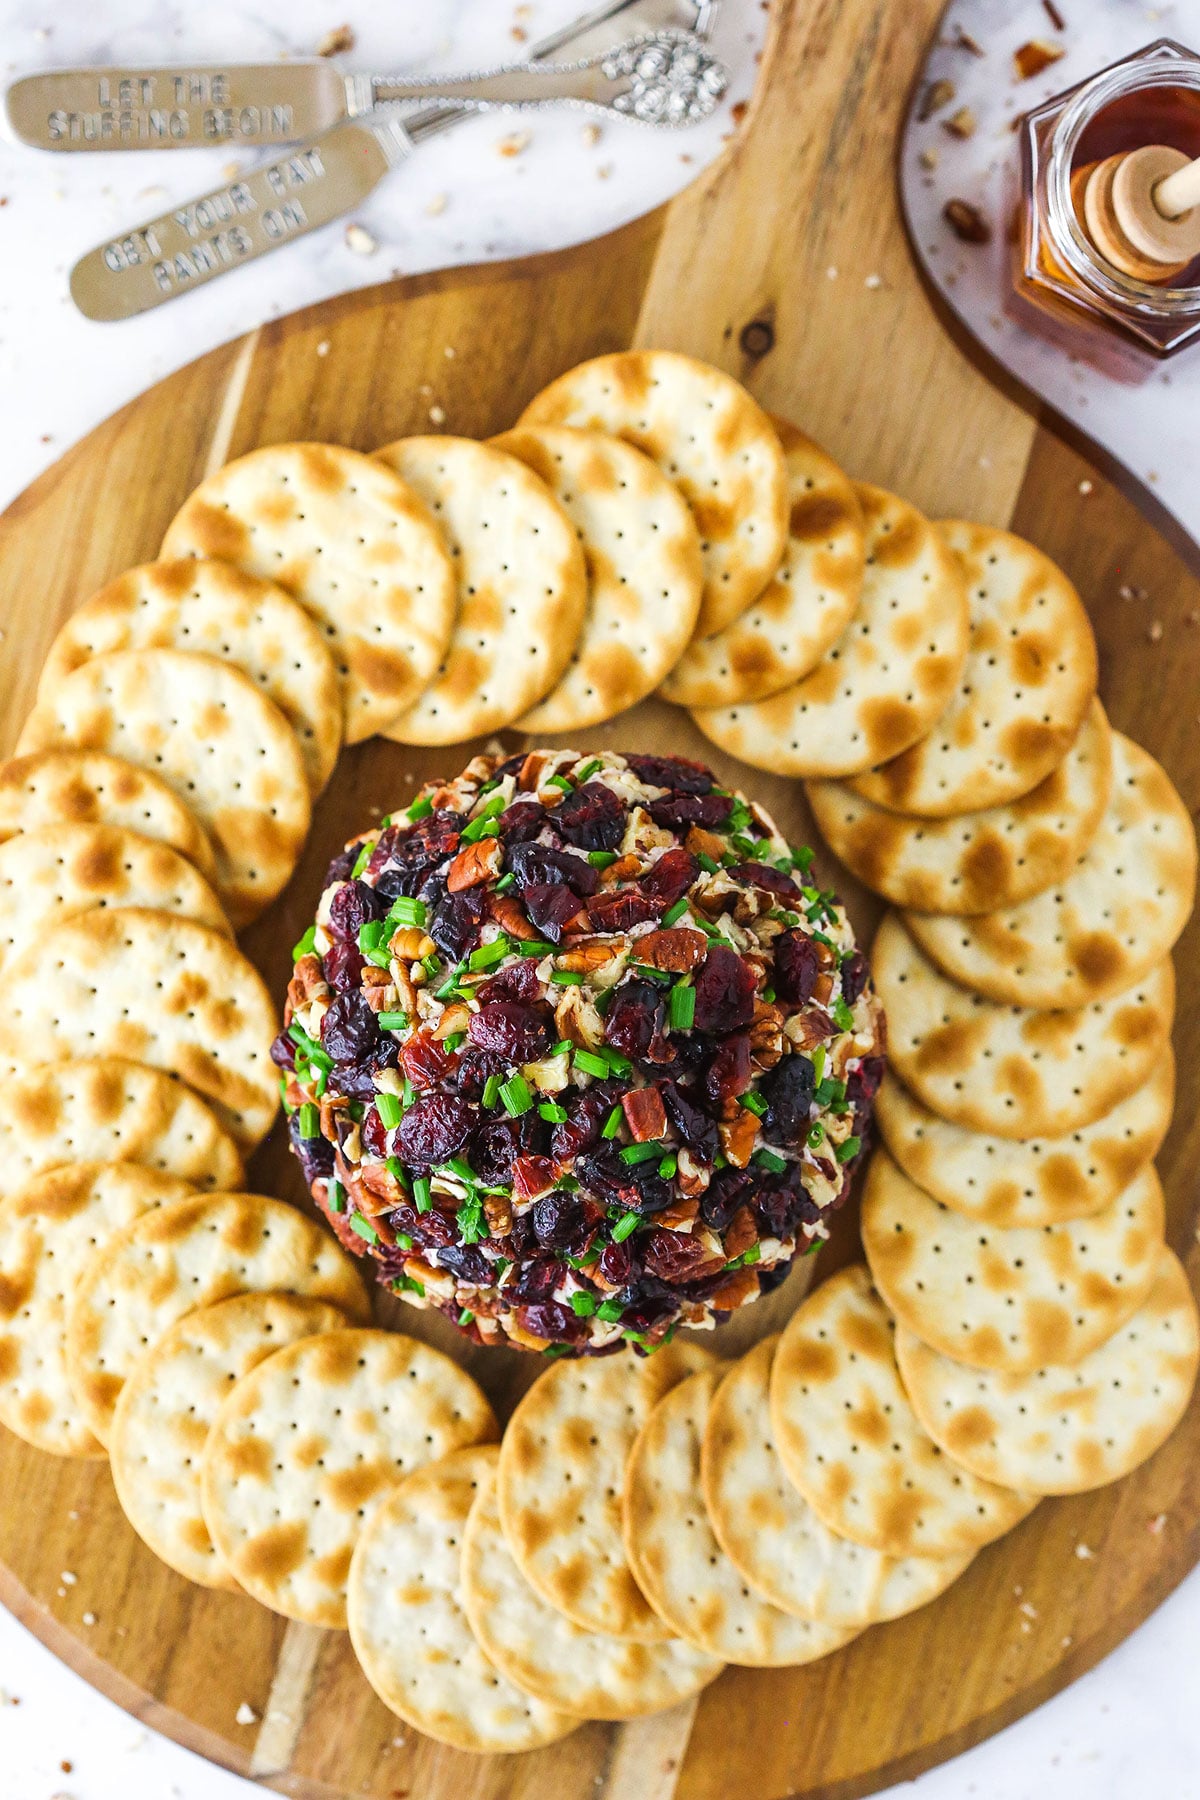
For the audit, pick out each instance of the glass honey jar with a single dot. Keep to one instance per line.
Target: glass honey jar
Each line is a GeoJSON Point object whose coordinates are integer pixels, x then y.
{"type": "Point", "coordinates": [1063, 285]}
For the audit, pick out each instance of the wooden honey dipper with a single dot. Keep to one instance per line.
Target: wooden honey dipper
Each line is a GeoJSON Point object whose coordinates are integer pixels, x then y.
{"type": "Point", "coordinates": [1142, 211]}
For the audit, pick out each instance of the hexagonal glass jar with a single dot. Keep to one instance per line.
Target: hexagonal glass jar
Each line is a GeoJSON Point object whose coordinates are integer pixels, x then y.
{"type": "Point", "coordinates": [1150, 97]}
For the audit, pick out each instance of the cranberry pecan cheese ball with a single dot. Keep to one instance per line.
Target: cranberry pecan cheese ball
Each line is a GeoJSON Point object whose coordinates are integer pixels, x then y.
{"type": "Point", "coordinates": [578, 1052]}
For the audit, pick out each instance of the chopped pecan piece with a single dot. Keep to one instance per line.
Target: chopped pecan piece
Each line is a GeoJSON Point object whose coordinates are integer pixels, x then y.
{"type": "Point", "coordinates": [624, 869]}
{"type": "Point", "coordinates": [498, 1211]}
{"type": "Point", "coordinates": [593, 955]}
{"type": "Point", "coordinates": [308, 981]}
{"type": "Point", "coordinates": [455, 1018]}
{"type": "Point", "coordinates": [511, 916]}
{"type": "Point", "coordinates": [475, 863]}
{"type": "Point", "coordinates": [960, 124]}
{"type": "Point", "coordinates": [645, 1114]}
{"type": "Point", "coordinates": [738, 1137]}
{"type": "Point", "coordinates": [678, 949]}
{"type": "Point", "coordinates": [823, 989]}
{"type": "Point", "coordinates": [532, 770]}
{"type": "Point", "coordinates": [676, 1217]}
{"type": "Point", "coordinates": [766, 1034]}
{"type": "Point", "coordinates": [434, 1281]}
{"type": "Point", "coordinates": [704, 843]}
{"type": "Point", "coordinates": [741, 1233]}
{"type": "Point", "coordinates": [967, 222]}
{"type": "Point", "coordinates": [411, 943]}
{"type": "Point", "coordinates": [734, 1292]}
{"type": "Point", "coordinates": [382, 1187]}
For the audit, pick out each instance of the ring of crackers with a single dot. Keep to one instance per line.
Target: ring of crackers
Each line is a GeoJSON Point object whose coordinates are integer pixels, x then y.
{"type": "Point", "coordinates": [87, 787]}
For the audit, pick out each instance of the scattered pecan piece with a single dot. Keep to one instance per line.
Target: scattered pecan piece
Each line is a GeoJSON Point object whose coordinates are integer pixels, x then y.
{"type": "Point", "coordinates": [937, 94]}
{"type": "Point", "coordinates": [766, 1034]}
{"type": "Point", "coordinates": [823, 989]}
{"type": "Point", "coordinates": [531, 771]}
{"type": "Point", "coordinates": [481, 861]}
{"type": "Point", "coordinates": [679, 949]}
{"type": "Point", "coordinates": [645, 1114]}
{"type": "Point", "coordinates": [337, 41]}
{"type": "Point", "coordinates": [967, 222]}
{"type": "Point", "coordinates": [960, 124]}
{"type": "Point", "coordinates": [1031, 58]}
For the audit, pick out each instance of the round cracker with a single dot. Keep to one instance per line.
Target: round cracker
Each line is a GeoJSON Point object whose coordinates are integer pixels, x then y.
{"type": "Point", "coordinates": [562, 1465]}
{"type": "Point", "coordinates": [717, 445]}
{"type": "Point", "coordinates": [887, 677]}
{"type": "Point", "coordinates": [1009, 1298]}
{"type": "Point", "coordinates": [808, 602]}
{"type": "Point", "coordinates": [978, 861]}
{"type": "Point", "coordinates": [1013, 1071]}
{"type": "Point", "coordinates": [50, 1230]}
{"type": "Point", "coordinates": [541, 1651]}
{"type": "Point", "coordinates": [1115, 915]}
{"type": "Point", "coordinates": [1066, 1430]}
{"type": "Point", "coordinates": [522, 587]}
{"type": "Point", "coordinates": [1028, 1182]}
{"type": "Point", "coordinates": [407, 1623]}
{"type": "Point", "coordinates": [109, 1110]}
{"type": "Point", "coordinates": [308, 1439]}
{"type": "Point", "coordinates": [1026, 684]}
{"type": "Point", "coordinates": [86, 787]}
{"type": "Point", "coordinates": [204, 727]}
{"type": "Point", "coordinates": [763, 1523]}
{"type": "Point", "coordinates": [169, 1404]}
{"type": "Point", "coordinates": [354, 545]}
{"type": "Point", "coordinates": [60, 871]}
{"type": "Point", "coordinates": [149, 987]}
{"type": "Point", "coordinates": [216, 610]}
{"type": "Point", "coordinates": [852, 1444]}
{"type": "Point", "coordinates": [644, 571]}
{"type": "Point", "coordinates": [694, 1587]}
{"type": "Point", "coordinates": [192, 1254]}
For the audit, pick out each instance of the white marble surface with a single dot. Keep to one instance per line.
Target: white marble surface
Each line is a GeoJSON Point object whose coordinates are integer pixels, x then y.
{"type": "Point", "coordinates": [1129, 1727]}
{"type": "Point", "coordinates": [1150, 427]}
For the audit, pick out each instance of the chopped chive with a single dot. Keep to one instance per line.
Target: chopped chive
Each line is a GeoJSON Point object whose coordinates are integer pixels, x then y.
{"type": "Point", "coordinates": [681, 1007]}
{"type": "Point", "coordinates": [304, 947]}
{"type": "Point", "coordinates": [363, 858]}
{"type": "Point", "coordinates": [451, 982]}
{"type": "Point", "coordinates": [566, 977]}
{"type": "Point", "coordinates": [591, 1064]}
{"type": "Point", "coordinates": [422, 1199]}
{"type": "Point", "coordinates": [768, 995]}
{"type": "Point", "coordinates": [420, 809]}
{"type": "Point", "coordinates": [516, 1095]}
{"type": "Point", "coordinates": [585, 1261]}
{"type": "Point", "coordinates": [818, 937]}
{"type": "Point", "coordinates": [409, 1096]}
{"type": "Point", "coordinates": [310, 1120]}
{"type": "Point", "coordinates": [617, 1064]}
{"type": "Point", "coordinates": [388, 1108]}
{"type": "Point", "coordinates": [753, 1254]}
{"type": "Point", "coordinates": [318, 1057]}
{"type": "Point", "coordinates": [392, 1021]}
{"type": "Point", "coordinates": [707, 864]}
{"type": "Point", "coordinates": [649, 973]}
{"type": "Point", "coordinates": [335, 1194]}
{"type": "Point", "coordinates": [407, 910]}
{"type": "Point", "coordinates": [847, 1151]}
{"type": "Point", "coordinates": [720, 1160]}
{"type": "Point", "coordinates": [613, 1123]}
{"type": "Point", "coordinates": [357, 1111]}
{"type": "Point", "coordinates": [609, 1310]}
{"type": "Point", "coordinates": [491, 1088]}
{"type": "Point", "coordinates": [802, 857]}
{"type": "Point", "coordinates": [505, 883]}
{"type": "Point", "coordinates": [552, 1112]}
{"type": "Point", "coordinates": [563, 1044]}
{"type": "Point", "coordinates": [580, 774]}
{"type": "Point", "coordinates": [404, 1242]}
{"type": "Point", "coordinates": [815, 1136]}
{"type": "Point", "coordinates": [371, 943]}
{"type": "Point", "coordinates": [743, 845]}
{"type": "Point", "coordinates": [553, 1351]}
{"type": "Point", "coordinates": [364, 1228]}
{"type": "Point", "coordinates": [407, 1285]}
{"type": "Point", "coordinates": [767, 1159]}
{"type": "Point", "coordinates": [535, 947]}
{"type": "Point", "coordinates": [465, 1317]}
{"type": "Point", "coordinates": [818, 1062]}
{"type": "Point", "coordinates": [583, 1305]}
{"type": "Point", "coordinates": [560, 781]}
{"type": "Point", "coordinates": [814, 1247]}
{"type": "Point", "coordinates": [283, 1088]}
{"type": "Point", "coordinates": [431, 964]}
{"type": "Point", "coordinates": [674, 913]}
{"type": "Point", "coordinates": [668, 1166]}
{"type": "Point", "coordinates": [640, 1153]}
{"type": "Point", "coordinates": [454, 1040]}
{"type": "Point", "coordinates": [458, 1166]}
{"type": "Point", "coordinates": [754, 1103]}
{"type": "Point", "coordinates": [602, 859]}
{"type": "Point", "coordinates": [470, 1221]}
{"type": "Point", "coordinates": [842, 1016]}
{"type": "Point", "coordinates": [627, 1223]}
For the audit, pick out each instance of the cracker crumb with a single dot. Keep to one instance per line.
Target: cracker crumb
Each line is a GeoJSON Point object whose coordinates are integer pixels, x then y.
{"type": "Point", "coordinates": [246, 1715]}
{"type": "Point", "coordinates": [437, 415]}
{"type": "Point", "coordinates": [336, 41]}
{"type": "Point", "coordinates": [89, 1618]}
{"type": "Point", "coordinates": [514, 143]}
{"type": "Point", "coordinates": [1085, 486]}
{"type": "Point", "coordinates": [360, 240]}
{"type": "Point", "coordinates": [590, 134]}
{"type": "Point", "coordinates": [1084, 1552]}
{"type": "Point", "coordinates": [604, 171]}
{"type": "Point", "coordinates": [1154, 630]}
{"type": "Point", "coordinates": [436, 204]}
{"type": "Point", "coordinates": [960, 124]}
{"type": "Point", "coordinates": [230, 171]}
{"type": "Point", "coordinates": [518, 33]}
{"type": "Point", "coordinates": [323, 347]}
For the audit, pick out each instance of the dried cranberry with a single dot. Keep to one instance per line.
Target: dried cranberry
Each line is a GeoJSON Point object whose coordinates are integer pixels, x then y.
{"type": "Point", "coordinates": [517, 982]}
{"type": "Point", "coordinates": [357, 1081]}
{"type": "Point", "coordinates": [690, 809]}
{"type": "Point", "coordinates": [854, 973]}
{"type": "Point", "coordinates": [521, 1033]}
{"type": "Point", "coordinates": [729, 1073]}
{"type": "Point", "coordinates": [315, 1154]}
{"type": "Point", "coordinates": [783, 1204]}
{"type": "Point", "coordinates": [621, 909]}
{"type": "Point", "coordinates": [535, 865]}
{"type": "Point", "coordinates": [671, 876]}
{"type": "Point", "coordinates": [522, 821]}
{"type": "Point", "coordinates": [562, 1222]}
{"type": "Point", "coordinates": [537, 1279]}
{"type": "Point", "coordinates": [534, 1175]}
{"type": "Point", "coordinates": [352, 907]}
{"type": "Point", "coordinates": [455, 922]}
{"type": "Point", "coordinates": [633, 1018]}
{"type": "Point", "coordinates": [283, 1052]}
{"type": "Point", "coordinates": [645, 1314]}
{"type": "Point", "coordinates": [498, 1144]}
{"type": "Point", "coordinates": [636, 1187]}
{"type": "Point", "coordinates": [619, 1263]}
{"type": "Point", "coordinates": [349, 1030]}
{"type": "Point", "coordinates": [770, 1279]}
{"type": "Point", "coordinates": [547, 1319]}
{"type": "Point", "coordinates": [588, 1110]}
{"type": "Point", "coordinates": [343, 964]}
{"type": "Point", "coordinates": [425, 1062]}
{"type": "Point", "coordinates": [674, 1256]}
{"type": "Point", "coordinates": [676, 772]}
{"type": "Point", "coordinates": [434, 1128]}
{"type": "Point", "coordinates": [695, 1127]}
{"type": "Point", "coordinates": [433, 1230]}
{"type": "Point", "coordinates": [468, 1263]}
{"type": "Point", "coordinates": [342, 866]}
{"type": "Point", "coordinates": [728, 1189]}
{"type": "Point", "coordinates": [797, 966]}
{"type": "Point", "coordinates": [592, 818]}
{"type": "Point", "coordinates": [788, 1090]}
{"type": "Point", "coordinates": [475, 1069]}
{"type": "Point", "coordinates": [551, 909]}
{"type": "Point", "coordinates": [374, 1133]}
{"type": "Point", "coordinates": [724, 991]}
{"type": "Point", "coordinates": [762, 875]}
{"type": "Point", "coordinates": [862, 1084]}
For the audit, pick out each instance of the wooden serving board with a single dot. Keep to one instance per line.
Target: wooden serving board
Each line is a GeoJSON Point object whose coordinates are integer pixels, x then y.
{"type": "Point", "coordinates": [737, 270]}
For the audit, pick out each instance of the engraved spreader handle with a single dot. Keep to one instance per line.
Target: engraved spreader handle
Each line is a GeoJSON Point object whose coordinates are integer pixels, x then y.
{"type": "Point", "coordinates": [194, 243]}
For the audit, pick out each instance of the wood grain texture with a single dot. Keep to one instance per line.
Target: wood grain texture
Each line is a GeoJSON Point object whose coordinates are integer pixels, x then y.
{"type": "Point", "coordinates": [870, 371]}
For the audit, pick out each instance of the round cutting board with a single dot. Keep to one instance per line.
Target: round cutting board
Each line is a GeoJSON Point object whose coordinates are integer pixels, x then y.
{"type": "Point", "coordinates": [787, 265]}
